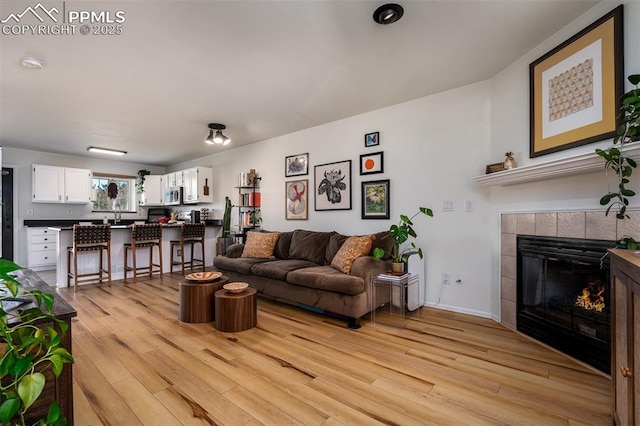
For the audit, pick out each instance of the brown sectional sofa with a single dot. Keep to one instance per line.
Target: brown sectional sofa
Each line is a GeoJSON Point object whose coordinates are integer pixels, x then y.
{"type": "Point", "coordinates": [300, 272]}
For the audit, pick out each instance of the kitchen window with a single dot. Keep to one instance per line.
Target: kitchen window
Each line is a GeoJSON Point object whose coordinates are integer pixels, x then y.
{"type": "Point", "coordinates": [126, 192]}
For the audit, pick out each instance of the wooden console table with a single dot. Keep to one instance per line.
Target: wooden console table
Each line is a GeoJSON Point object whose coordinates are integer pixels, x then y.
{"type": "Point", "coordinates": [236, 311]}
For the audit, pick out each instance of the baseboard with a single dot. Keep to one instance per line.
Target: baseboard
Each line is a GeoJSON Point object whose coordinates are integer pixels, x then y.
{"type": "Point", "coordinates": [460, 310]}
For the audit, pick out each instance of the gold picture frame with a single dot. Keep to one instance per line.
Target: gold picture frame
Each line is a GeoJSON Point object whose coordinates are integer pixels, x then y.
{"type": "Point", "coordinates": [296, 199]}
{"type": "Point", "coordinates": [575, 89]}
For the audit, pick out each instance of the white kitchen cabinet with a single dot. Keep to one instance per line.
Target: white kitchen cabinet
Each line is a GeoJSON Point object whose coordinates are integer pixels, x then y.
{"type": "Point", "coordinates": [42, 246]}
{"type": "Point", "coordinates": [174, 179]}
{"type": "Point", "coordinates": [197, 183]}
{"type": "Point", "coordinates": [153, 190]}
{"type": "Point", "coordinates": [53, 184]}
{"type": "Point", "coordinates": [77, 185]}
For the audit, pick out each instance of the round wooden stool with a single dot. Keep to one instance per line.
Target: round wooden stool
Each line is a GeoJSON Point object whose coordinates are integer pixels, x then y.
{"type": "Point", "coordinates": [236, 311]}
{"type": "Point", "coordinates": [196, 299]}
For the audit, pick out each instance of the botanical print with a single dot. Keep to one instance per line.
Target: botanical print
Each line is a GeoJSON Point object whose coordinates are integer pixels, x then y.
{"type": "Point", "coordinates": [375, 199]}
{"type": "Point", "coordinates": [297, 199]}
{"type": "Point", "coordinates": [333, 186]}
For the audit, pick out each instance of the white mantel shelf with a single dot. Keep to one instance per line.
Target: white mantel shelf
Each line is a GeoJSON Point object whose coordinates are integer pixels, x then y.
{"type": "Point", "coordinates": [565, 166]}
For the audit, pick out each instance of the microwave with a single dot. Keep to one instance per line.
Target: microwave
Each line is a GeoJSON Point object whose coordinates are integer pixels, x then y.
{"type": "Point", "coordinates": [173, 196]}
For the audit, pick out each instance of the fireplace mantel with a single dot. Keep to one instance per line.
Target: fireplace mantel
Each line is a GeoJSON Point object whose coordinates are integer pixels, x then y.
{"type": "Point", "coordinates": [565, 166]}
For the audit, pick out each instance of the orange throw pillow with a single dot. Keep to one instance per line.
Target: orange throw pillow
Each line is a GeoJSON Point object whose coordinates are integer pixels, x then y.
{"type": "Point", "coordinates": [353, 248]}
{"type": "Point", "coordinates": [260, 244]}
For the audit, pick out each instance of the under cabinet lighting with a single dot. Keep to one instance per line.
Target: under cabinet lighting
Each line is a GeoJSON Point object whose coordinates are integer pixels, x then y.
{"type": "Point", "coordinates": [106, 151]}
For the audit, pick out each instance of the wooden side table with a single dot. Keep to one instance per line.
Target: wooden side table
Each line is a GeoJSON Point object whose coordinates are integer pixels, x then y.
{"type": "Point", "coordinates": [196, 299]}
{"type": "Point", "coordinates": [236, 311]}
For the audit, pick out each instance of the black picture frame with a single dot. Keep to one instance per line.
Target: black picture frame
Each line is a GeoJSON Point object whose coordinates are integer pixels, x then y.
{"type": "Point", "coordinates": [332, 186]}
{"type": "Point", "coordinates": [371, 139]}
{"type": "Point", "coordinates": [296, 165]}
{"type": "Point", "coordinates": [376, 197]}
{"type": "Point", "coordinates": [371, 164]}
{"type": "Point", "coordinates": [575, 89]}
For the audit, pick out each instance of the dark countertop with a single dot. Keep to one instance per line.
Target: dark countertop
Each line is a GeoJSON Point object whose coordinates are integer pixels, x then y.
{"type": "Point", "coordinates": [68, 223]}
{"type": "Point", "coordinates": [29, 280]}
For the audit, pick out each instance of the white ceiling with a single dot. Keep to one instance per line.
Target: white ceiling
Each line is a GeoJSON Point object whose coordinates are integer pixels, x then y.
{"type": "Point", "coordinates": [264, 68]}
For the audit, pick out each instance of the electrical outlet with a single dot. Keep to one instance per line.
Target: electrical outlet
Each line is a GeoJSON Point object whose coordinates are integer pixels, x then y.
{"type": "Point", "coordinates": [29, 212]}
{"type": "Point", "coordinates": [446, 278]}
{"type": "Point", "coordinates": [70, 212]}
{"type": "Point", "coordinates": [468, 205]}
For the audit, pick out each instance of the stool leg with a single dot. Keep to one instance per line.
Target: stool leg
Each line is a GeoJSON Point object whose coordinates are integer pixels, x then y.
{"type": "Point", "coordinates": [109, 263]}
{"type": "Point", "coordinates": [75, 270]}
{"type": "Point", "coordinates": [134, 253]}
{"type": "Point", "coordinates": [126, 261]}
{"type": "Point", "coordinates": [203, 257]}
{"type": "Point", "coordinates": [183, 255]}
{"type": "Point", "coordinates": [160, 256]}
{"type": "Point", "coordinates": [68, 268]}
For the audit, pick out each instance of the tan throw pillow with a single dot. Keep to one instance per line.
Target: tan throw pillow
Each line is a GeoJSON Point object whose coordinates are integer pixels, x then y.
{"type": "Point", "coordinates": [260, 244]}
{"type": "Point", "coordinates": [353, 248]}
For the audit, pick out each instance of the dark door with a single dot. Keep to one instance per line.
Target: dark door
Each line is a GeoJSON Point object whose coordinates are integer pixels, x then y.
{"type": "Point", "coordinates": [7, 213]}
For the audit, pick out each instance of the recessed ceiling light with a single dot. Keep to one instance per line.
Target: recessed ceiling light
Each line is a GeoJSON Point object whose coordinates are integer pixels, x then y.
{"type": "Point", "coordinates": [388, 13]}
{"type": "Point", "coordinates": [106, 151]}
{"type": "Point", "coordinates": [30, 62]}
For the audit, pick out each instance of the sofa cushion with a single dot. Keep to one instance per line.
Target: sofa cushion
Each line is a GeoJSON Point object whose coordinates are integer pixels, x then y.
{"type": "Point", "coordinates": [282, 246]}
{"type": "Point", "coordinates": [326, 278]}
{"type": "Point", "coordinates": [278, 269]}
{"type": "Point", "coordinates": [385, 244]}
{"type": "Point", "coordinates": [260, 244]}
{"type": "Point", "coordinates": [353, 248]}
{"type": "Point", "coordinates": [241, 265]}
{"type": "Point", "coordinates": [335, 242]}
{"type": "Point", "coordinates": [309, 245]}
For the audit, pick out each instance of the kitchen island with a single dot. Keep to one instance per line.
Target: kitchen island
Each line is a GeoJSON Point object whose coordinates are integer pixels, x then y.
{"type": "Point", "coordinates": [121, 234]}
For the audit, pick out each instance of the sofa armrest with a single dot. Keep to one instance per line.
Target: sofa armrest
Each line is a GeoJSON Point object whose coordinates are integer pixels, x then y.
{"type": "Point", "coordinates": [235, 250]}
{"type": "Point", "coordinates": [368, 267]}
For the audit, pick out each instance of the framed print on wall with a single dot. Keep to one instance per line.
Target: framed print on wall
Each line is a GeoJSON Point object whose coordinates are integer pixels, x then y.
{"type": "Point", "coordinates": [333, 186]}
{"type": "Point", "coordinates": [575, 89]}
{"type": "Point", "coordinates": [297, 199]}
{"type": "Point", "coordinates": [372, 163]}
{"type": "Point", "coordinates": [372, 139]}
{"type": "Point", "coordinates": [375, 199]}
{"type": "Point", "coordinates": [296, 165]}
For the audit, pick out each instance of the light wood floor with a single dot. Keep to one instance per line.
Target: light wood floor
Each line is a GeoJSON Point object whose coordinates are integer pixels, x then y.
{"type": "Point", "coordinates": [135, 363]}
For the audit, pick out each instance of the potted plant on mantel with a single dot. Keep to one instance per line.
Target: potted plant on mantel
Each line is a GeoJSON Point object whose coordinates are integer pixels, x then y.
{"type": "Point", "coordinates": [621, 165]}
{"type": "Point", "coordinates": [29, 348]}
{"type": "Point", "coordinates": [400, 234]}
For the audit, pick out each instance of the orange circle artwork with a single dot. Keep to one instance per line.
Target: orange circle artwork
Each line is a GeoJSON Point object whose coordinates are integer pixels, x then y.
{"type": "Point", "coordinates": [369, 164]}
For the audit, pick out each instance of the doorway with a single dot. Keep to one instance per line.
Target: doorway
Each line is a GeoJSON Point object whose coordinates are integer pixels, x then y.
{"type": "Point", "coordinates": [7, 213]}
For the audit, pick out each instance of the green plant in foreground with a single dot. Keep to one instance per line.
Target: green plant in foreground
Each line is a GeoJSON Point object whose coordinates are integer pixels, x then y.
{"type": "Point", "coordinates": [400, 234]}
{"type": "Point", "coordinates": [31, 343]}
{"type": "Point", "coordinates": [615, 160]}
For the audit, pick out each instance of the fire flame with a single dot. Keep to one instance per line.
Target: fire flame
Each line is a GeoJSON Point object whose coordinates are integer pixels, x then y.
{"type": "Point", "coordinates": [592, 298]}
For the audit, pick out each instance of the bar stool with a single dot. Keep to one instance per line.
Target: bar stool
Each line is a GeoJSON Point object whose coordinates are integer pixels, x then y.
{"type": "Point", "coordinates": [190, 234]}
{"type": "Point", "coordinates": [143, 236]}
{"type": "Point", "coordinates": [86, 239]}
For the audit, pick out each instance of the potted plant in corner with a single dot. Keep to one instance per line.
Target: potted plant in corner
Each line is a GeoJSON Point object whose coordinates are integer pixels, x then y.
{"type": "Point", "coordinates": [31, 345]}
{"type": "Point", "coordinates": [618, 162]}
{"type": "Point", "coordinates": [400, 234]}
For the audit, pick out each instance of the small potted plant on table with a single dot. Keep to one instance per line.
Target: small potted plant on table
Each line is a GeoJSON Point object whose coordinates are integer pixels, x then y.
{"type": "Point", "coordinates": [400, 234]}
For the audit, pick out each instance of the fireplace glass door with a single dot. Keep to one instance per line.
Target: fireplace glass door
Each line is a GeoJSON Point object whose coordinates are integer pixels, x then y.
{"type": "Point", "coordinates": [563, 295]}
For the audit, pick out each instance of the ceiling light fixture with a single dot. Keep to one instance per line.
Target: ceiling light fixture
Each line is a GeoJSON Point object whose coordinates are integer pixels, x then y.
{"type": "Point", "coordinates": [106, 151]}
{"type": "Point", "coordinates": [32, 63]}
{"type": "Point", "coordinates": [388, 13]}
{"type": "Point", "coordinates": [218, 138]}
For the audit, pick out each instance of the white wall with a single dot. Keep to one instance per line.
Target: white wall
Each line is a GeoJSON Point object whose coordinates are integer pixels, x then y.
{"type": "Point", "coordinates": [21, 160]}
{"type": "Point", "coordinates": [432, 147]}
